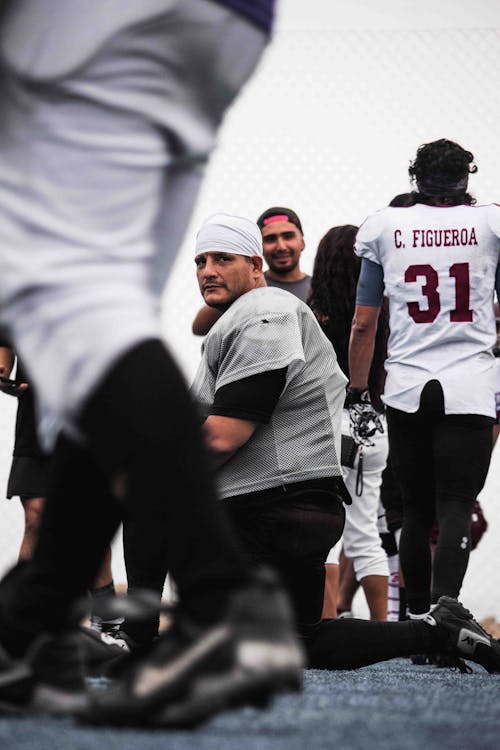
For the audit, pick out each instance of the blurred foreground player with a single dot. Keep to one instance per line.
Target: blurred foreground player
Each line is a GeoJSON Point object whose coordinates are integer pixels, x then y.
{"type": "Point", "coordinates": [109, 112]}
{"type": "Point", "coordinates": [272, 394]}
{"type": "Point", "coordinates": [438, 262]}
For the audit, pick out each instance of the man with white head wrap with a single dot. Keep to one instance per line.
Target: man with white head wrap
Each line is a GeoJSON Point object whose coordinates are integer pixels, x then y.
{"type": "Point", "coordinates": [235, 234]}
{"type": "Point", "coordinates": [272, 393]}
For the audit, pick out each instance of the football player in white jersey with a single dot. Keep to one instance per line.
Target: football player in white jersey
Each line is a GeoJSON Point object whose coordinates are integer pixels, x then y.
{"type": "Point", "coordinates": [438, 263]}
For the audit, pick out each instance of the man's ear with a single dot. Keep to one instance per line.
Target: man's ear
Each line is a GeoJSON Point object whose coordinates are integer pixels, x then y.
{"type": "Point", "coordinates": [257, 263]}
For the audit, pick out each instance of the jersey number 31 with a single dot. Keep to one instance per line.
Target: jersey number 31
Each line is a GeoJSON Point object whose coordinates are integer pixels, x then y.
{"type": "Point", "coordinates": [459, 272]}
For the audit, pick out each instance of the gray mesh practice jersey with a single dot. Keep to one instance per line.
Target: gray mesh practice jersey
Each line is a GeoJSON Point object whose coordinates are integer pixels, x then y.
{"type": "Point", "coordinates": [267, 329]}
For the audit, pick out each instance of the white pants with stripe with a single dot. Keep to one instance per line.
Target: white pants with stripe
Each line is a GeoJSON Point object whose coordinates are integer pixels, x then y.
{"type": "Point", "coordinates": [361, 539]}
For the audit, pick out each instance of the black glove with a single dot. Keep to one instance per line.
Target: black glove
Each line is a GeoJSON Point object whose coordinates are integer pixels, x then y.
{"type": "Point", "coordinates": [363, 418]}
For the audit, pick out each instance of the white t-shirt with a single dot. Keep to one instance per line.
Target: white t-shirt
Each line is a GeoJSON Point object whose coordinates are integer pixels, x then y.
{"type": "Point", "coordinates": [268, 329]}
{"type": "Point", "coordinates": [439, 273]}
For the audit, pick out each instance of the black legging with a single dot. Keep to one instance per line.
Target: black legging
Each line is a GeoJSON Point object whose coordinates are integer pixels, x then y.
{"type": "Point", "coordinates": [293, 534]}
{"type": "Point", "coordinates": [441, 462]}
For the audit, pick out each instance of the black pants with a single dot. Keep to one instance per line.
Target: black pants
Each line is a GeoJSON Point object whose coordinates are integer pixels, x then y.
{"type": "Point", "coordinates": [440, 462]}
{"type": "Point", "coordinates": [293, 534]}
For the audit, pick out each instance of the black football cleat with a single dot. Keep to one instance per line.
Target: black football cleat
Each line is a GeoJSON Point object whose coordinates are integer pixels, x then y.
{"type": "Point", "coordinates": [191, 673]}
{"type": "Point", "coordinates": [49, 679]}
{"type": "Point", "coordinates": [464, 637]}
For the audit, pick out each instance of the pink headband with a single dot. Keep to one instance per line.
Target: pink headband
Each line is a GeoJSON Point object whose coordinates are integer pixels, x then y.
{"type": "Point", "coordinates": [278, 217]}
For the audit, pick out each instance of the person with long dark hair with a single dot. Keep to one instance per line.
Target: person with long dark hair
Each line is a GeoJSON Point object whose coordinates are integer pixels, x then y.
{"type": "Point", "coordinates": [437, 261]}
{"type": "Point", "coordinates": [333, 297]}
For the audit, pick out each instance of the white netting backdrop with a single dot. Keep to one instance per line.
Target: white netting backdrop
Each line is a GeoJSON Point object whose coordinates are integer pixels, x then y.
{"type": "Point", "coordinates": [327, 126]}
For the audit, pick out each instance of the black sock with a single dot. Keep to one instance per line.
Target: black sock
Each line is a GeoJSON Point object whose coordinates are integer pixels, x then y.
{"type": "Point", "coordinates": [98, 622]}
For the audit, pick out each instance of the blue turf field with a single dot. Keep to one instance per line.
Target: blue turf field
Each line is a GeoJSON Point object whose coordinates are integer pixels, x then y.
{"type": "Point", "coordinates": [386, 707]}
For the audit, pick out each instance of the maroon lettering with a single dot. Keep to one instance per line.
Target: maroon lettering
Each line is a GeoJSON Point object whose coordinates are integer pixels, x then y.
{"type": "Point", "coordinates": [458, 271]}
{"type": "Point", "coordinates": [429, 290]}
{"type": "Point", "coordinates": [439, 237]}
{"type": "Point", "coordinates": [461, 313]}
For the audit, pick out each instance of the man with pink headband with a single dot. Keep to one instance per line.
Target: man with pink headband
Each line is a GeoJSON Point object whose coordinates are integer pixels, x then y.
{"type": "Point", "coordinates": [283, 244]}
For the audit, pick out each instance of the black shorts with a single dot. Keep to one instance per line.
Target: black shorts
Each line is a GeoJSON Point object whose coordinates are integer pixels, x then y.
{"type": "Point", "coordinates": [28, 477]}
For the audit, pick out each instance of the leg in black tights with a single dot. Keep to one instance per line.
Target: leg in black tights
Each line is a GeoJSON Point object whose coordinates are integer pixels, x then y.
{"type": "Point", "coordinates": [412, 462]}
{"type": "Point", "coordinates": [463, 446]}
{"type": "Point", "coordinates": [146, 564]}
{"type": "Point", "coordinates": [349, 644]}
{"type": "Point", "coordinates": [441, 462]}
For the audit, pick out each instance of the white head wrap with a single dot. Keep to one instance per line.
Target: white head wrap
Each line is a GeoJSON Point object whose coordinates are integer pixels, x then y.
{"type": "Point", "coordinates": [230, 234]}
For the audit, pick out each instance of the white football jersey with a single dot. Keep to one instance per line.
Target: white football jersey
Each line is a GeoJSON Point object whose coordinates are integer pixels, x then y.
{"type": "Point", "coordinates": [439, 273]}
{"type": "Point", "coordinates": [268, 329]}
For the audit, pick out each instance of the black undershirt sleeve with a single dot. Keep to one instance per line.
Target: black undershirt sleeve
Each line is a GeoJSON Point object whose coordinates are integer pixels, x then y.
{"type": "Point", "coordinates": [253, 398]}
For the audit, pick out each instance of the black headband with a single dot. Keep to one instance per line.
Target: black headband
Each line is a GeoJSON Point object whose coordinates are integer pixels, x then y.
{"type": "Point", "coordinates": [438, 186]}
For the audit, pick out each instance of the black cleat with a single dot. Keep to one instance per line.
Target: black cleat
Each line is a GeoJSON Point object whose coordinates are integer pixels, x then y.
{"type": "Point", "coordinates": [48, 680]}
{"type": "Point", "coordinates": [189, 674]}
{"type": "Point", "coordinates": [102, 651]}
{"type": "Point", "coordinates": [465, 638]}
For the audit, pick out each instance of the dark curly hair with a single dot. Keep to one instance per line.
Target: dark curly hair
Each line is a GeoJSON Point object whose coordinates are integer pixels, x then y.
{"type": "Point", "coordinates": [333, 298]}
{"type": "Point", "coordinates": [441, 170]}
{"type": "Point", "coordinates": [404, 200]}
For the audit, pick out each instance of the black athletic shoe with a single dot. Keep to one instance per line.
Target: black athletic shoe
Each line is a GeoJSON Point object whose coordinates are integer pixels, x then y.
{"type": "Point", "coordinates": [189, 673]}
{"type": "Point", "coordinates": [464, 636]}
{"type": "Point", "coordinates": [102, 651]}
{"type": "Point", "coordinates": [49, 679]}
